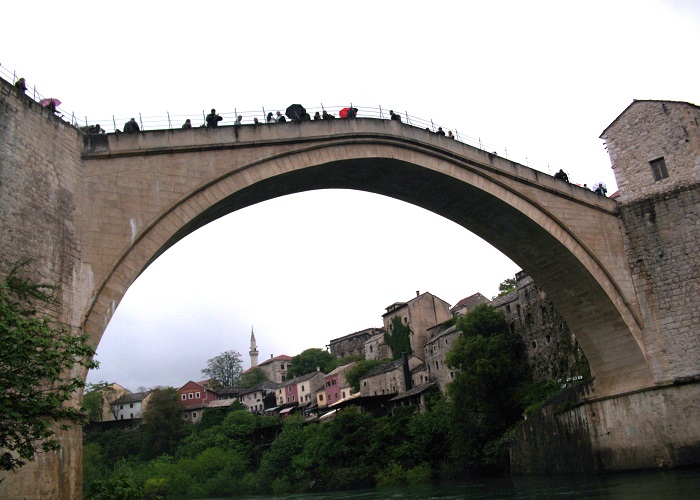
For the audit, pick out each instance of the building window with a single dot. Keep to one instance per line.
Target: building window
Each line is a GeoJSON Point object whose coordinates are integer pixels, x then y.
{"type": "Point", "coordinates": [121, 407]}
{"type": "Point", "coordinates": [507, 308]}
{"type": "Point", "coordinates": [658, 167]}
{"type": "Point", "coordinates": [184, 397]}
{"type": "Point", "coordinates": [534, 344]}
{"type": "Point", "coordinates": [452, 375]}
{"type": "Point", "coordinates": [302, 388]}
{"type": "Point", "coordinates": [131, 405]}
{"type": "Point", "coordinates": [282, 366]}
{"type": "Point", "coordinates": [343, 393]}
{"type": "Point", "coordinates": [447, 342]}
{"type": "Point", "coordinates": [196, 395]}
{"type": "Point", "coordinates": [194, 415]}
{"type": "Point", "coordinates": [287, 399]}
{"type": "Point", "coordinates": [283, 378]}
{"type": "Point", "coordinates": [370, 349]}
{"type": "Point", "coordinates": [549, 339]}
{"type": "Point", "coordinates": [320, 397]}
{"type": "Point", "coordinates": [437, 365]}
{"type": "Point", "coordinates": [131, 415]}
{"type": "Point", "coordinates": [364, 384]}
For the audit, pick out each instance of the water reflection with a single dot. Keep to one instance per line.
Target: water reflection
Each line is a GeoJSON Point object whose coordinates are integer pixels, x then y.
{"type": "Point", "coordinates": [650, 485]}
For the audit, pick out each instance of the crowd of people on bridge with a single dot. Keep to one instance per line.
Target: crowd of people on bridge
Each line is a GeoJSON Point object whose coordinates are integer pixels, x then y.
{"type": "Point", "coordinates": [212, 121]}
{"type": "Point", "coordinates": [598, 188]}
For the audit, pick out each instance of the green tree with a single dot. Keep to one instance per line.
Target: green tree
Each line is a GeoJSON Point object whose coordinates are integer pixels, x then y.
{"type": "Point", "coordinates": [38, 375]}
{"type": "Point", "coordinates": [507, 286]}
{"type": "Point", "coordinates": [95, 398]}
{"type": "Point", "coordinates": [354, 374]}
{"type": "Point", "coordinates": [162, 424]}
{"type": "Point", "coordinates": [307, 361]}
{"type": "Point", "coordinates": [399, 338]}
{"type": "Point", "coordinates": [226, 368]}
{"type": "Point", "coordinates": [486, 389]}
{"type": "Point", "coordinates": [253, 377]}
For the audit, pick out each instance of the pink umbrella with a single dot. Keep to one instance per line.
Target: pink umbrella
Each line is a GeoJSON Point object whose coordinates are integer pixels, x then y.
{"type": "Point", "coordinates": [46, 102]}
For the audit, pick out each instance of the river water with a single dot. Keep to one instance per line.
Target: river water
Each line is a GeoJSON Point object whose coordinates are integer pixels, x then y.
{"type": "Point", "coordinates": [648, 485]}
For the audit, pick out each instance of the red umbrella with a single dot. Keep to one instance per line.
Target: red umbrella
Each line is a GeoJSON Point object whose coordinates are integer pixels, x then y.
{"type": "Point", "coordinates": [46, 102]}
{"type": "Point", "coordinates": [344, 112]}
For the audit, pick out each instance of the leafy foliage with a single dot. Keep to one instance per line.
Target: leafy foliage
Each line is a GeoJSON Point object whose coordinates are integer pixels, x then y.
{"type": "Point", "coordinates": [226, 368]}
{"type": "Point", "coordinates": [162, 423]}
{"type": "Point", "coordinates": [398, 338]}
{"type": "Point", "coordinates": [37, 363]}
{"type": "Point", "coordinates": [492, 370]}
{"type": "Point", "coordinates": [94, 399]}
{"type": "Point", "coordinates": [307, 361]}
{"type": "Point", "coordinates": [252, 377]}
{"type": "Point", "coordinates": [354, 374]}
{"type": "Point", "coordinates": [506, 286]}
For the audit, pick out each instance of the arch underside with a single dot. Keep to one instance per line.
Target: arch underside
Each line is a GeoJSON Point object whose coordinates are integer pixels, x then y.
{"type": "Point", "coordinates": [614, 355]}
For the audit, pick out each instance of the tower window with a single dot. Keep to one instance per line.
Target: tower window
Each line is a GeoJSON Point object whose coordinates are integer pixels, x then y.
{"type": "Point", "coordinates": [658, 167]}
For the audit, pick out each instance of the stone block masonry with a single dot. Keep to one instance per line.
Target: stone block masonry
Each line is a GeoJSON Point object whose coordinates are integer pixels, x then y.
{"type": "Point", "coordinates": [40, 178]}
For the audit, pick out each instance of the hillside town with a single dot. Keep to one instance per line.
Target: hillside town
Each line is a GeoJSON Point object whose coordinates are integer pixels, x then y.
{"type": "Point", "coordinates": [406, 379]}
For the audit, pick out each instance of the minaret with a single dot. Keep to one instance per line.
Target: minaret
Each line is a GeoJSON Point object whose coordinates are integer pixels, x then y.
{"type": "Point", "coordinates": [253, 350]}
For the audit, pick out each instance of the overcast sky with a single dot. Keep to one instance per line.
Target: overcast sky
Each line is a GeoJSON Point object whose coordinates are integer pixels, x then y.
{"type": "Point", "coordinates": [538, 81]}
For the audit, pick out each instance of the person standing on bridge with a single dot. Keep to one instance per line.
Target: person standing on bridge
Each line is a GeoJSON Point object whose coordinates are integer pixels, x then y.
{"type": "Point", "coordinates": [187, 124]}
{"type": "Point", "coordinates": [131, 126]}
{"type": "Point", "coordinates": [394, 116]}
{"type": "Point", "coordinates": [213, 119]}
{"type": "Point", "coordinates": [21, 85]}
{"type": "Point", "coordinates": [561, 175]}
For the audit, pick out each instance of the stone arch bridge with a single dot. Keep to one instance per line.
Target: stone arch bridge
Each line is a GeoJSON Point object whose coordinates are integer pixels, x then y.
{"type": "Point", "coordinates": [143, 192]}
{"type": "Point", "coordinates": [94, 211]}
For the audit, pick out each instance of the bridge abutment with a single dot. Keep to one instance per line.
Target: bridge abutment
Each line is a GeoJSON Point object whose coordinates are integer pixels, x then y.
{"type": "Point", "coordinates": [647, 429]}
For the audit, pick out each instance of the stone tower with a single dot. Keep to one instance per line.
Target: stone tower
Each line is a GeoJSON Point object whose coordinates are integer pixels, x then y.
{"type": "Point", "coordinates": [253, 350]}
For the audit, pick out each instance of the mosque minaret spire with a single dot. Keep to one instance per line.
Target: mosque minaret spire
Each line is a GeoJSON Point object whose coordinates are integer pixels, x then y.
{"type": "Point", "coordinates": [253, 350]}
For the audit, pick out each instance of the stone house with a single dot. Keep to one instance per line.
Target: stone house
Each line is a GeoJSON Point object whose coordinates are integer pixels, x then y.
{"type": "Point", "coordinates": [376, 348]}
{"type": "Point", "coordinates": [415, 396]}
{"type": "Point", "coordinates": [276, 367]}
{"type": "Point", "coordinates": [287, 393]}
{"type": "Point", "coordinates": [420, 314]}
{"type": "Point", "coordinates": [193, 414]}
{"type": "Point", "coordinates": [109, 394]}
{"type": "Point", "coordinates": [419, 375]}
{"type": "Point", "coordinates": [441, 340]}
{"type": "Point", "coordinates": [353, 343]}
{"type": "Point", "coordinates": [130, 406]}
{"type": "Point", "coordinates": [308, 385]}
{"type": "Point", "coordinates": [551, 348]}
{"type": "Point", "coordinates": [260, 397]}
{"type": "Point", "coordinates": [654, 146]}
{"type": "Point", "coordinates": [393, 377]}
{"type": "Point", "coordinates": [193, 394]}
{"type": "Point", "coordinates": [335, 385]}
{"type": "Point", "coordinates": [468, 304]}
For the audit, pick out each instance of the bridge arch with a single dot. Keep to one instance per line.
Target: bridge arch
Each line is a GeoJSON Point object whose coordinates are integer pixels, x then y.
{"type": "Point", "coordinates": [566, 238]}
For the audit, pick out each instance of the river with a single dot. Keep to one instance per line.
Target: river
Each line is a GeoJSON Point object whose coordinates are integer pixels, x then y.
{"type": "Point", "coordinates": [649, 485]}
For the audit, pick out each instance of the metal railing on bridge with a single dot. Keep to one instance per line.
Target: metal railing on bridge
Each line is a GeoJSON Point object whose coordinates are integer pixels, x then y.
{"type": "Point", "coordinates": [175, 121]}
